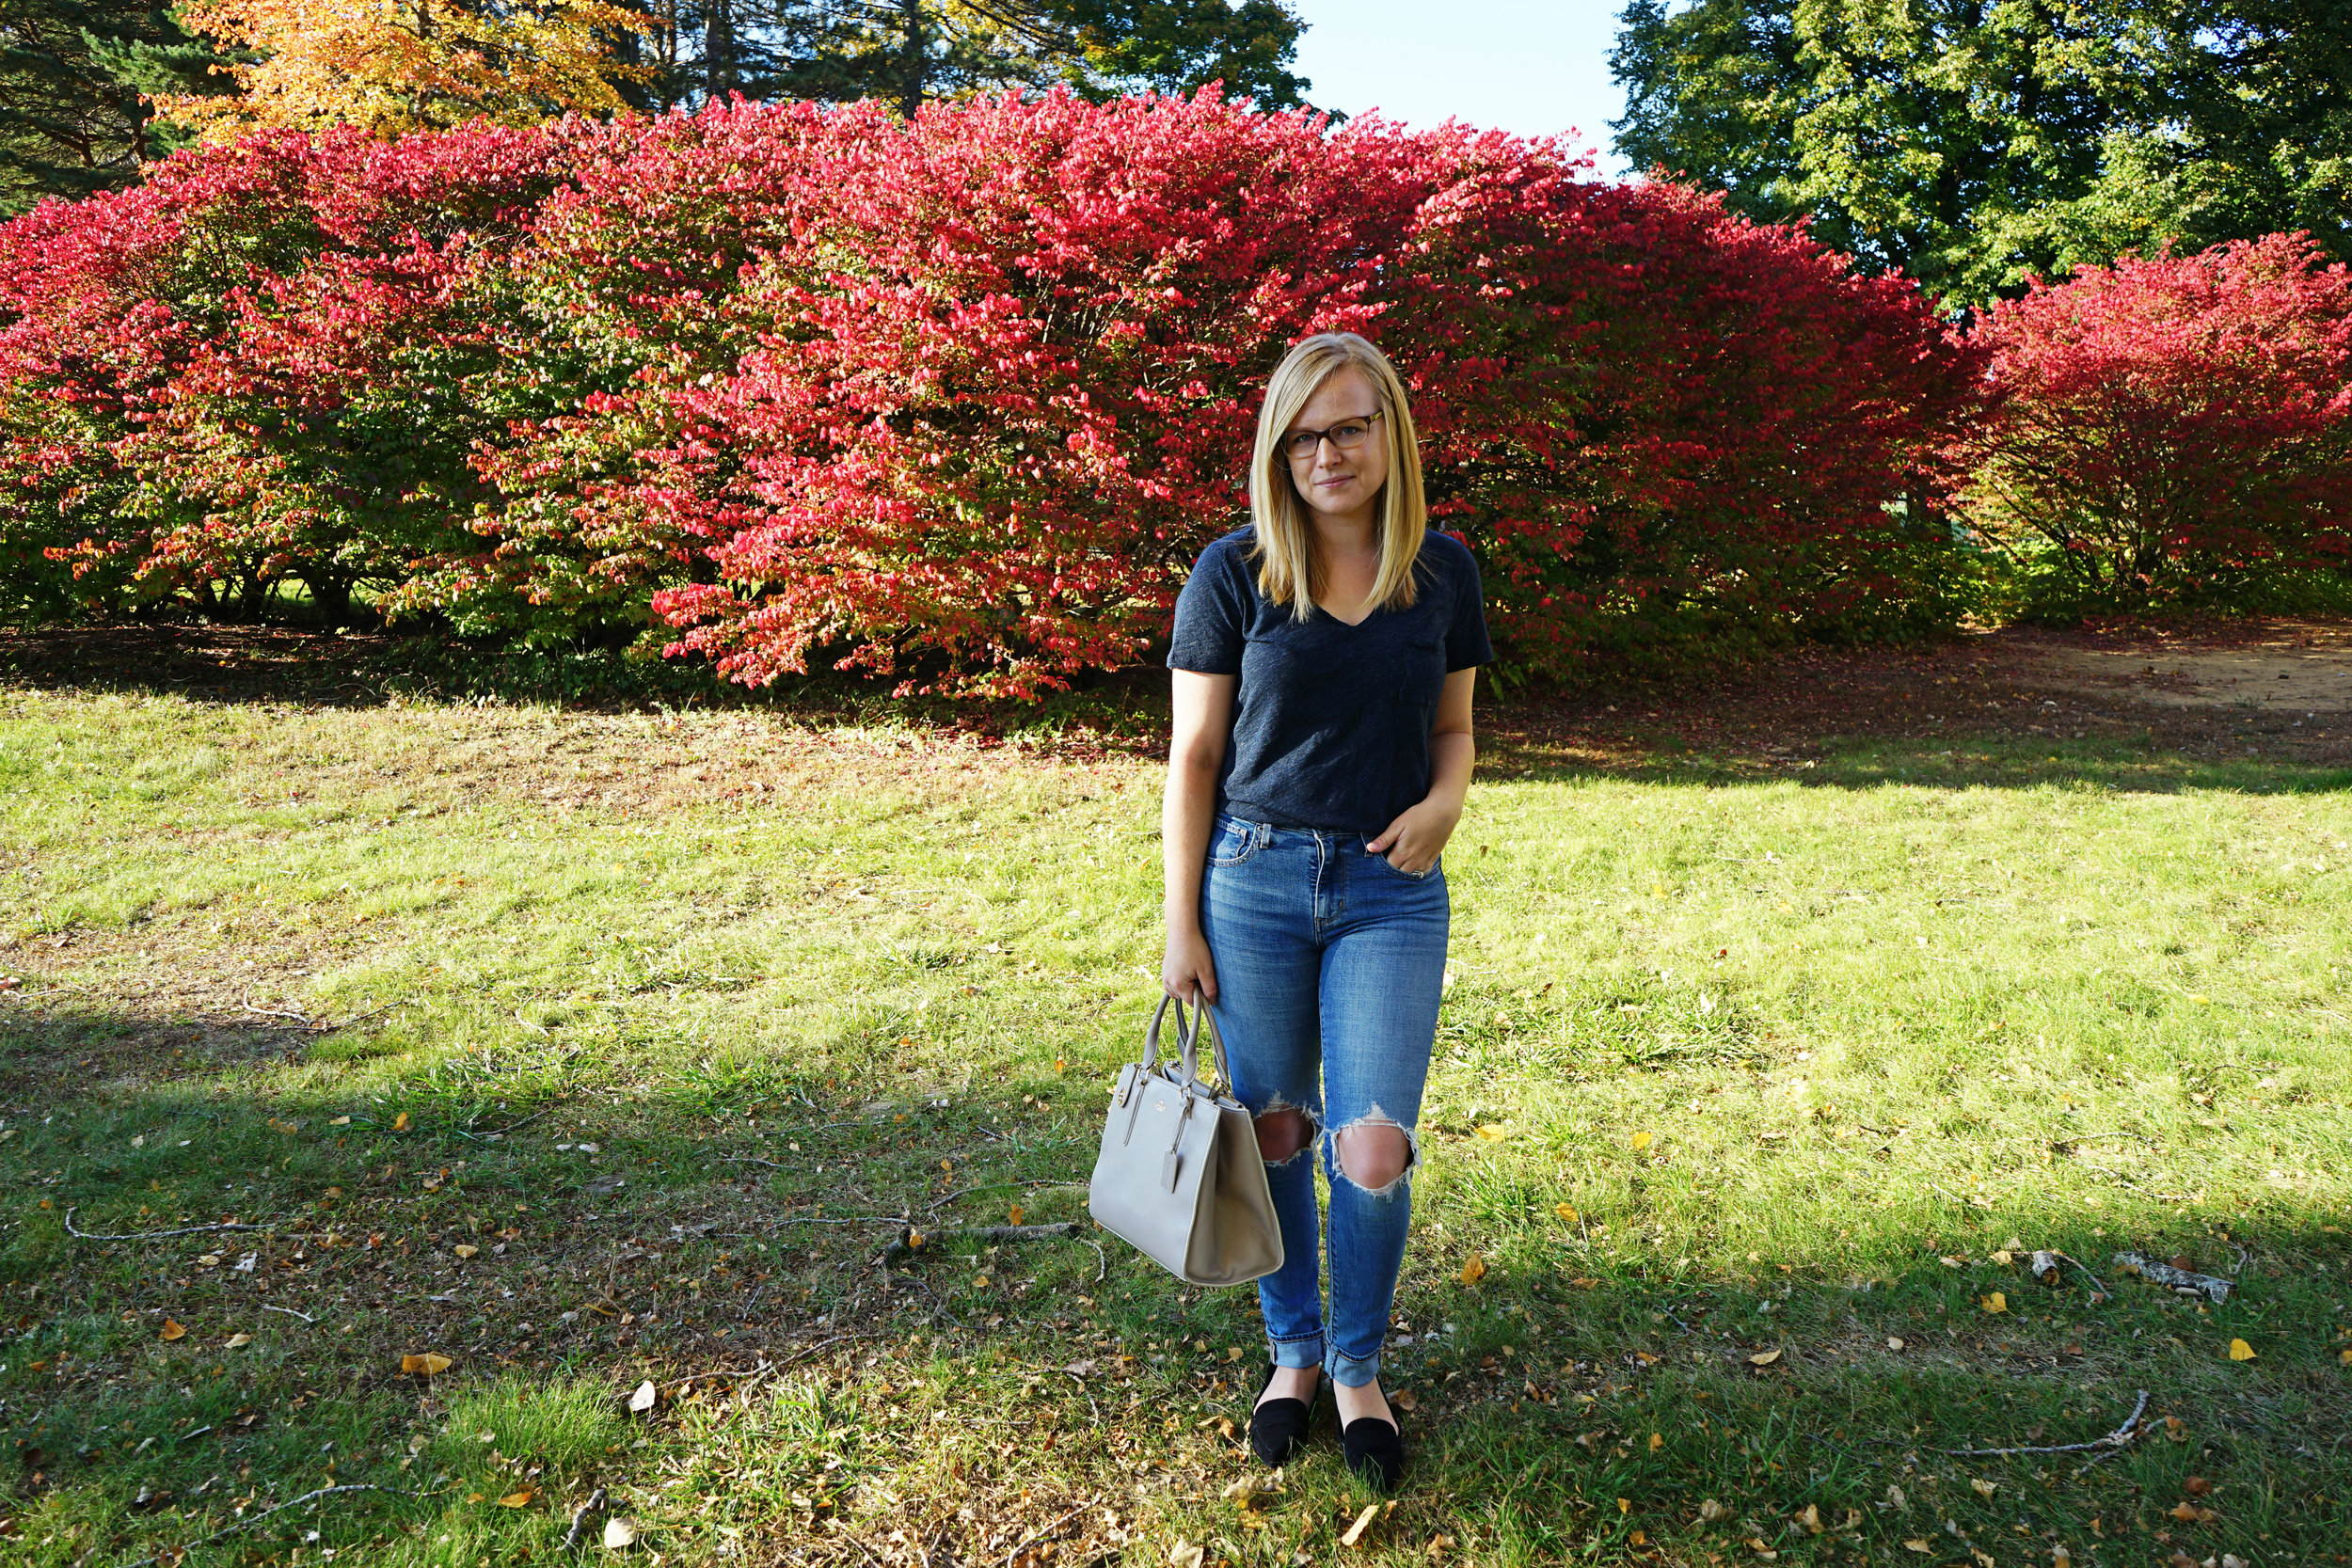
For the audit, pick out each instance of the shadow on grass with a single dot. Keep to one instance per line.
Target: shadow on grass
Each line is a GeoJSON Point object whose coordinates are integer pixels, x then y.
{"type": "Point", "coordinates": [823, 1396]}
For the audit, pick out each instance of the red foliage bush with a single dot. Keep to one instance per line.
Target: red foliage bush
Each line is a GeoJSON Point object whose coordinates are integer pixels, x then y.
{"type": "Point", "coordinates": [2173, 427]}
{"type": "Point", "coordinates": [956, 400]}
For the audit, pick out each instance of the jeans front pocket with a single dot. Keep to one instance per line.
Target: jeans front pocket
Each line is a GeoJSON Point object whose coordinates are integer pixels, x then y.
{"type": "Point", "coordinates": [1232, 841]}
{"type": "Point", "coordinates": [1435, 866]}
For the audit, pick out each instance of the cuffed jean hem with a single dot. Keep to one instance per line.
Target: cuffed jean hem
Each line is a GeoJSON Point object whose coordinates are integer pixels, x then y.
{"type": "Point", "coordinates": [1296, 1354]}
{"type": "Point", "coordinates": [1348, 1372]}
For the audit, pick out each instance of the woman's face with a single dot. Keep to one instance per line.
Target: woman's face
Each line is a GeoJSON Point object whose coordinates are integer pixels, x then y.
{"type": "Point", "coordinates": [1334, 482]}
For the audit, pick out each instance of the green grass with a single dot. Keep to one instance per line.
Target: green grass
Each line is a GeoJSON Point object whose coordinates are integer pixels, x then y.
{"type": "Point", "coordinates": [1735, 1059]}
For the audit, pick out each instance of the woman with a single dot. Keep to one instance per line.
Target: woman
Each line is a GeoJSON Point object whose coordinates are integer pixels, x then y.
{"type": "Point", "coordinates": [1322, 664]}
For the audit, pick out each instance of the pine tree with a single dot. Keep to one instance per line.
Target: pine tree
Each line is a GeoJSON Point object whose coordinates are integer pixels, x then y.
{"type": "Point", "coordinates": [73, 78]}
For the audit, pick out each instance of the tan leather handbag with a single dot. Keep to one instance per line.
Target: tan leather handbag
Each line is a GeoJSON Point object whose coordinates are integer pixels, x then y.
{"type": "Point", "coordinates": [1180, 1176]}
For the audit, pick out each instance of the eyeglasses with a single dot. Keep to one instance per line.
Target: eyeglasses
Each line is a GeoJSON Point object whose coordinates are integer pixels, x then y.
{"type": "Point", "coordinates": [1301, 445]}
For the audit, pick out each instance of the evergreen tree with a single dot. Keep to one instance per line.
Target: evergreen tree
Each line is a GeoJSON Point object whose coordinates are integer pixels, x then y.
{"type": "Point", "coordinates": [73, 77]}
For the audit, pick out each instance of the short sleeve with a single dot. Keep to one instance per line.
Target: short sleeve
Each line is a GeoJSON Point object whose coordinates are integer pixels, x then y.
{"type": "Point", "coordinates": [1466, 643]}
{"type": "Point", "coordinates": [1211, 615]}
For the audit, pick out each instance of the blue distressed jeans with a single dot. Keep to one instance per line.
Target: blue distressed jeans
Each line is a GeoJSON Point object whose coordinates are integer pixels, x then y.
{"type": "Point", "coordinates": [1330, 963]}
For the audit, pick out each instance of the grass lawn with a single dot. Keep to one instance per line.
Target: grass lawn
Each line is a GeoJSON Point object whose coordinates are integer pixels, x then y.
{"type": "Point", "coordinates": [588, 1049]}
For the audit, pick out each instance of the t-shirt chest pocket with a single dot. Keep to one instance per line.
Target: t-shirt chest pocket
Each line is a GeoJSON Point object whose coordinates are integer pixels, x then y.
{"type": "Point", "coordinates": [1421, 671]}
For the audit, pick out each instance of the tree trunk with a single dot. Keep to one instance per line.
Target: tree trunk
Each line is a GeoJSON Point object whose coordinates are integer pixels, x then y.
{"type": "Point", "coordinates": [719, 76]}
{"type": "Point", "coordinates": [913, 57]}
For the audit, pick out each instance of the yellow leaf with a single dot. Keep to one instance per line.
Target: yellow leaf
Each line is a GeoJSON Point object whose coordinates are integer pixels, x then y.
{"type": "Point", "coordinates": [1893, 1343]}
{"type": "Point", "coordinates": [1810, 1518]}
{"type": "Point", "coordinates": [2241, 1351]}
{"type": "Point", "coordinates": [1566, 1213]}
{"type": "Point", "coordinates": [238, 1342]}
{"type": "Point", "coordinates": [1983, 1487]}
{"type": "Point", "coordinates": [979, 1282]}
{"type": "Point", "coordinates": [2344, 1357]}
{"type": "Point", "coordinates": [1492, 1133]}
{"type": "Point", "coordinates": [1641, 1142]}
{"type": "Point", "coordinates": [1363, 1522]}
{"type": "Point", "coordinates": [1637, 1539]}
{"type": "Point", "coordinates": [400, 1122]}
{"type": "Point", "coordinates": [517, 1499]}
{"type": "Point", "coordinates": [1625, 1505]}
{"type": "Point", "coordinates": [1012, 1215]}
{"type": "Point", "coordinates": [1915, 1544]}
{"type": "Point", "coordinates": [1764, 1358]}
{"type": "Point", "coordinates": [1061, 1064]}
{"type": "Point", "coordinates": [1656, 1442]}
{"type": "Point", "coordinates": [465, 1249]}
{"type": "Point", "coordinates": [339, 1121]}
{"type": "Point", "coordinates": [1993, 1303]}
{"type": "Point", "coordinates": [172, 1329]}
{"type": "Point", "coordinates": [1474, 1270]}
{"type": "Point", "coordinates": [430, 1363]}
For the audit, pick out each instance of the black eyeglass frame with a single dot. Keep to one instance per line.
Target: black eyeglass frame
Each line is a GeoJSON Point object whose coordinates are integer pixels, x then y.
{"type": "Point", "coordinates": [1293, 451]}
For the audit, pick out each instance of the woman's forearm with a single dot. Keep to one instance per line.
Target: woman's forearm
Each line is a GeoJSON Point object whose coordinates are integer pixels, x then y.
{"type": "Point", "coordinates": [1451, 755]}
{"type": "Point", "coordinates": [1187, 812]}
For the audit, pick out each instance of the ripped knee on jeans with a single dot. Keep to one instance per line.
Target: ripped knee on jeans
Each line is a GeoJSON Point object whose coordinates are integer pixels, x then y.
{"type": "Point", "coordinates": [1284, 1133]}
{"type": "Point", "coordinates": [1374, 1153]}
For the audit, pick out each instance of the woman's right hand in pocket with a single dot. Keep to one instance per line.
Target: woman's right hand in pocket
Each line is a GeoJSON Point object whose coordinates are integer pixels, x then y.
{"type": "Point", "coordinates": [1187, 973]}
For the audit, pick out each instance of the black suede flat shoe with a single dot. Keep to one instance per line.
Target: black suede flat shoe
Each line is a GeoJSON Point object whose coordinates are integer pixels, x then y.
{"type": "Point", "coordinates": [1376, 1452]}
{"type": "Point", "coordinates": [1278, 1428]}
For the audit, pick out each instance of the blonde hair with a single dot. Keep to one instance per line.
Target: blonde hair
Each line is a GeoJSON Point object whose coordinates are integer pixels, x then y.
{"type": "Point", "coordinates": [1289, 571]}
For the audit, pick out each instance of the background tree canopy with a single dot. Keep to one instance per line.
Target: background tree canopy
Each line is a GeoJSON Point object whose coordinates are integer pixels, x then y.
{"type": "Point", "coordinates": [1973, 143]}
{"type": "Point", "coordinates": [77, 75]}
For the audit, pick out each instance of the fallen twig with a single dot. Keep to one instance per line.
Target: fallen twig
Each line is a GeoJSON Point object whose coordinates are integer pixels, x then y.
{"type": "Point", "coordinates": [295, 1502]}
{"type": "Point", "coordinates": [2115, 1439]}
{"type": "Point", "coordinates": [275, 1012]}
{"type": "Point", "coordinates": [747, 1159]}
{"type": "Point", "coordinates": [149, 1235]}
{"type": "Point", "coordinates": [580, 1518]}
{"type": "Point", "coordinates": [1049, 1529]}
{"type": "Point", "coordinates": [912, 1241]}
{"type": "Point", "coordinates": [2045, 1263]}
{"type": "Point", "coordinates": [290, 1312]}
{"type": "Point", "coordinates": [2183, 1280]}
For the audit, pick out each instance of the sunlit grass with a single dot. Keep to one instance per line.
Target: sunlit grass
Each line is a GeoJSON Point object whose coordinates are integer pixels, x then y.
{"type": "Point", "coordinates": [1732, 1062]}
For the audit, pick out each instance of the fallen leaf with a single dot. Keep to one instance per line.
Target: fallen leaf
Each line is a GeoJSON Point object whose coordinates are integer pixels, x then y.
{"type": "Point", "coordinates": [1993, 1303]}
{"type": "Point", "coordinates": [1637, 1539]}
{"type": "Point", "coordinates": [1893, 1343]}
{"type": "Point", "coordinates": [1492, 1133]}
{"type": "Point", "coordinates": [642, 1401]}
{"type": "Point", "coordinates": [1810, 1518]}
{"type": "Point", "coordinates": [1184, 1556]}
{"type": "Point", "coordinates": [979, 1282]}
{"type": "Point", "coordinates": [2344, 1357]}
{"type": "Point", "coordinates": [1250, 1487]}
{"type": "Point", "coordinates": [620, 1532]}
{"type": "Point", "coordinates": [173, 1329]}
{"type": "Point", "coordinates": [2003, 1257]}
{"type": "Point", "coordinates": [1403, 1399]}
{"type": "Point", "coordinates": [2241, 1351]}
{"type": "Point", "coordinates": [1895, 1497]}
{"type": "Point", "coordinates": [1625, 1505]}
{"type": "Point", "coordinates": [1764, 1358]}
{"type": "Point", "coordinates": [1915, 1544]}
{"type": "Point", "coordinates": [2197, 1487]}
{"type": "Point", "coordinates": [1641, 1142]}
{"type": "Point", "coordinates": [466, 1249]}
{"type": "Point", "coordinates": [400, 1122]}
{"type": "Point", "coordinates": [1983, 1487]}
{"type": "Point", "coordinates": [1474, 1270]}
{"type": "Point", "coordinates": [1566, 1213]}
{"type": "Point", "coordinates": [517, 1499]}
{"type": "Point", "coordinates": [339, 1121]}
{"type": "Point", "coordinates": [2184, 1511]}
{"type": "Point", "coordinates": [431, 1363]}
{"type": "Point", "coordinates": [1711, 1511]}
{"type": "Point", "coordinates": [209, 1261]}
{"type": "Point", "coordinates": [1656, 1442]}
{"type": "Point", "coordinates": [238, 1342]}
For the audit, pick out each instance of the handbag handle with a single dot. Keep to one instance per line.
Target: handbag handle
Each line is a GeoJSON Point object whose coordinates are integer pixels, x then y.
{"type": "Point", "coordinates": [1189, 1025]}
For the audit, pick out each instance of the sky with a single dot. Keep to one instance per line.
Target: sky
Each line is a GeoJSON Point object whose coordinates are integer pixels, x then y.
{"type": "Point", "coordinates": [1534, 66]}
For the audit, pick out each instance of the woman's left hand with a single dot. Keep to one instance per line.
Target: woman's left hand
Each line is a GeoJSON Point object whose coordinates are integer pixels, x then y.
{"type": "Point", "coordinates": [1417, 837]}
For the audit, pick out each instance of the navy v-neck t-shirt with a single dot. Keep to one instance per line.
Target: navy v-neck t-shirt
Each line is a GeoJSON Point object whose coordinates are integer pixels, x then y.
{"type": "Point", "coordinates": [1330, 721]}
